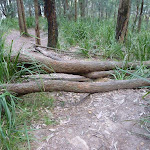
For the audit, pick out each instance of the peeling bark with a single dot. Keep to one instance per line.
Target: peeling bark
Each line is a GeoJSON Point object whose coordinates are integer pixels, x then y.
{"type": "Point", "coordinates": [122, 20]}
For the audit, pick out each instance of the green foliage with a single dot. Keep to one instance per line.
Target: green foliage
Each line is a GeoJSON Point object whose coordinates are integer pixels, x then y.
{"type": "Point", "coordinates": [14, 119]}
{"type": "Point", "coordinates": [92, 35]}
{"type": "Point", "coordinates": [10, 23]}
{"type": "Point", "coordinates": [8, 67]}
{"type": "Point", "coordinates": [30, 21]}
{"type": "Point", "coordinates": [7, 120]}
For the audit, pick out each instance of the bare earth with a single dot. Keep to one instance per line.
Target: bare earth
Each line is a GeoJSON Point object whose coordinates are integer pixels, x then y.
{"type": "Point", "coordinates": [101, 121]}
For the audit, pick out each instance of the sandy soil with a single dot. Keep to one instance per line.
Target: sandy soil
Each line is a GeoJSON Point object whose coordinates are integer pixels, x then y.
{"type": "Point", "coordinates": [101, 121]}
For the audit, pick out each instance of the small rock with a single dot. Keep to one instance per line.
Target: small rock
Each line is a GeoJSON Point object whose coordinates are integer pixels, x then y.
{"type": "Point", "coordinates": [49, 137]}
{"type": "Point", "coordinates": [99, 115]}
{"type": "Point", "coordinates": [90, 112]}
{"type": "Point", "coordinates": [79, 143]}
{"type": "Point", "coordinates": [52, 130]}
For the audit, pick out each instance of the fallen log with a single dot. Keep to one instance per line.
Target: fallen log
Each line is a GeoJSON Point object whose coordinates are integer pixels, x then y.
{"type": "Point", "coordinates": [77, 87]}
{"type": "Point", "coordinates": [58, 76]}
{"type": "Point", "coordinates": [74, 67]}
{"type": "Point", "coordinates": [99, 74]}
{"type": "Point", "coordinates": [110, 73]}
{"type": "Point", "coordinates": [48, 54]}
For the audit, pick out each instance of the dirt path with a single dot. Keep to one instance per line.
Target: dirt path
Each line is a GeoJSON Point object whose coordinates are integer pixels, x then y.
{"type": "Point", "coordinates": [102, 121]}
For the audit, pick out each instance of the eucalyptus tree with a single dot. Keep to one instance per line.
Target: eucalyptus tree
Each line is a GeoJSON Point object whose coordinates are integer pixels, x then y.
{"type": "Point", "coordinates": [21, 18]}
{"type": "Point", "coordinates": [140, 16]}
{"type": "Point", "coordinates": [50, 14]}
{"type": "Point", "coordinates": [122, 20]}
{"type": "Point", "coordinates": [37, 28]}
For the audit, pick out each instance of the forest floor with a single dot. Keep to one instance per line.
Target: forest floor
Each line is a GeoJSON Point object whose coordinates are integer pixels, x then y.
{"type": "Point", "coordinates": [101, 121]}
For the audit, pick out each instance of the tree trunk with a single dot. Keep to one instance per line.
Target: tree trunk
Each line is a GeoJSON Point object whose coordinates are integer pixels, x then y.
{"type": "Point", "coordinates": [37, 28]}
{"type": "Point", "coordinates": [136, 17]}
{"type": "Point", "coordinates": [39, 10]}
{"type": "Point", "coordinates": [30, 12]}
{"type": "Point", "coordinates": [140, 17]}
{"type": "Point", "coordinates": [77, 87]}
{"type": "Point", "coordinates": [21, 18]}
{"type": "Point", "coordinates": [50, 13]}
{"type": "Point", "coordinates": [122, 20]}
{"type": "Point", "coordinates": [75, 10]}
{"type": "Point", "coordinates": [82, 8]}
{"type": "Point", "coordinates": [64, 4]}
{"type": "Point", "coordinates": [99, 11]}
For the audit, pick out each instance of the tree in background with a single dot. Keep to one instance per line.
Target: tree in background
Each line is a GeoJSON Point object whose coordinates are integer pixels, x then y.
{"type": "Point", "coordinates": [21, 18]}
{"type": "Point", "coordinates": [37, 28]}
{"type": "Point", "coordinates": [122, 20]}
{"type": "Point", "coordinates": [50, 13]}
{"type": "Point", "coordinates": [82, 8]}
{"type": "Point", "coordinates": [140, 17]}
{"type": "Point", "coordinates": [137, 13]}
{"type": "Point", "coordinates": [76, 10]}
{"type": "Point", "coordinates": [39, 9]}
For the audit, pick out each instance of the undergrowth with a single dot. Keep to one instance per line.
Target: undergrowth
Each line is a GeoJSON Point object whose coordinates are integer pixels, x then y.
{"type": "Point", "coordinates": [16, 116]}
{"type": "Point", "coordinates": [99, 37]}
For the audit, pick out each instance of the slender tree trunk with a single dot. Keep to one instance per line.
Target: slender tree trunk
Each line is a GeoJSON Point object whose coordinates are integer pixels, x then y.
{"type": "Point", "coordinates": [122, 20]}
{"type": "Point", "coordinates": [102, 13]}
{"type": "Point", "coordinates": [37, 28]}
{"type": "Point", "coordinates": [140, 17]}
{"type": "Point", "coordinates": [147, 21]}
{"type": "Point", "coordinates": [64, 4]}
{"type": "Point", "coordinates": [50, 13]}
{"type": "Point", "coordinates": [136, 17]}
{"type": "Point", "coordinates": [75, 10]}
{"type": "Point", "coordinates": [39, 10]}
{"type": "Point", "coordinates": [21, 17]}
{"type": "Point", "coordinates": [30, 12]}
{"type": "Point", "coordinates": [82, 8]}
{"type": "Point", "coordinates": [99, 11]}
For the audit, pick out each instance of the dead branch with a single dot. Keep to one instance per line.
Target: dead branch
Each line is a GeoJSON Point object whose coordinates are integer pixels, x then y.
{"type": "Point", "coordinates": [53, 76]}
{"type": "Point", "coordinates": [48, 54]}
{"type": "Point", "coordinates": [102, 74]}
{"type": "Point", "coordinates": [77, 87]}
{"type": "Point", "coordinates": [75, 67]}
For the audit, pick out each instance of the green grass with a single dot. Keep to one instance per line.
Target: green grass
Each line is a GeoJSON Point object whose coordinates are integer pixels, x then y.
{"type": "Point", "coordinates": [30, 21]}
{"type": "Point", "coordinates": [10, 23]}
{"type": "Point", "coordinates": [16, 115]}
{"type": "Point", "coordinates": [99, 36]}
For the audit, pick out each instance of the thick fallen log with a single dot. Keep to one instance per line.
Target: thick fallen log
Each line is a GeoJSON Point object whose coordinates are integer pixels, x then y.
{"type": "Point", "coordinates": [77, 87]}
{"type": "Point", "coordinates": [74, 67]}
